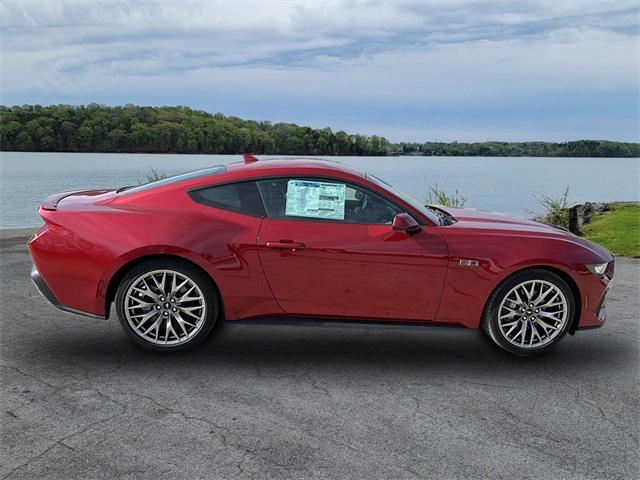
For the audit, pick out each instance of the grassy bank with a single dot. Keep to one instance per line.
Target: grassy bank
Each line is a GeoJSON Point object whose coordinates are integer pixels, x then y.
{"type": "Point", "coordinates": [618, 230]}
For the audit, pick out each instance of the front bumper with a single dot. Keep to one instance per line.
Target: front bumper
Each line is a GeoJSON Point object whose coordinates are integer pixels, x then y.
{"type": "Point", "coordinates": [596, 317]}
{"type": "Point", "coordinates": [46, 292]}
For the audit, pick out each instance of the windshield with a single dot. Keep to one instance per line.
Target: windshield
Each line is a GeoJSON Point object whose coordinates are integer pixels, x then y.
{"type": "Point", "coordinates": [406, 198]}
{"type": "Point", "coordinates": [176, 178]}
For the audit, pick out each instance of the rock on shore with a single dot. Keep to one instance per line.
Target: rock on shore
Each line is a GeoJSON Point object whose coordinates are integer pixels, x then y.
{"type": "Point", "coordinates": [581, 214]}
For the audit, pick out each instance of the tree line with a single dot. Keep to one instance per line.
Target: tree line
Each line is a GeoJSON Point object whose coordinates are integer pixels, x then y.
{"type": "Point", "coordinates": [577, 148]}
{"type": "Point", "coordinates": [136, 129]}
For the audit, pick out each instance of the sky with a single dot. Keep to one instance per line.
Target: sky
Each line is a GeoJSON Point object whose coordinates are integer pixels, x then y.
{"type": "Point", "coordinates": [430, 70]}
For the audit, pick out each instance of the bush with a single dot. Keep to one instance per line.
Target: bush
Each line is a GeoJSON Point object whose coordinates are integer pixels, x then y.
{"type": "Point", "coordinates": [154, 176]}
{"type": "Point", "coordinates": [440, 197]}
{"type": "Point", "coordinates": [556, 209]}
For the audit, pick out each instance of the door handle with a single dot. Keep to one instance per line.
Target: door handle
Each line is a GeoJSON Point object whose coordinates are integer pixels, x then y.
{"type": "Point", "coordinates": [286, 245]}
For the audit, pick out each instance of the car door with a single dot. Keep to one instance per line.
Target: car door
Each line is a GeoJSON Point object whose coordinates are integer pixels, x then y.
{"type": "Point", "coordinates": [327, 248]}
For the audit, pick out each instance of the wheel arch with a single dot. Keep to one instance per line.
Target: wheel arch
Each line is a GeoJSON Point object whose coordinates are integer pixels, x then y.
{"type": "Point", "coordinates": [117, 277]}
{"type": "Point", "coordinates": [575, 290]}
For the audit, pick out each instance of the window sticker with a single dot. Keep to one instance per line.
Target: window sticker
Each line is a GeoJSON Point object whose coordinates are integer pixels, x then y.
{"type": "Point", "coordinates": [306, 198]}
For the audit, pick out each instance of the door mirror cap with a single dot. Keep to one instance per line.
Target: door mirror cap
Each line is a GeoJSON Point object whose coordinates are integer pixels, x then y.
{"type": "Point", "coordinates": [403, 222]}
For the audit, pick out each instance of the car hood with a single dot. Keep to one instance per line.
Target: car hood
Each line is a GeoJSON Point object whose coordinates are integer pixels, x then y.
{"type": "Point", "coordinates": [512, 225]}
{"type": "Point", "coordinates": [491, 218]}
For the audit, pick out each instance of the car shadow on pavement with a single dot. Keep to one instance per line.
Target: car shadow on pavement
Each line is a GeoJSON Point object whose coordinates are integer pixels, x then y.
{"type": "Point", "coordinates": [279, 348]}
{"type": "Point", "coordinates": [395, 348]}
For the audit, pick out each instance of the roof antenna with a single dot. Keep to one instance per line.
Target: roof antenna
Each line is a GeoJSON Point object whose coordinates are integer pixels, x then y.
{"type": "Point", "coordinates": [249, 158]}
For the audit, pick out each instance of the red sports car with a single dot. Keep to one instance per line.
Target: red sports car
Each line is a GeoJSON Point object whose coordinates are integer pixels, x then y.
{"type": "Point", "coordinates": [309, 240]}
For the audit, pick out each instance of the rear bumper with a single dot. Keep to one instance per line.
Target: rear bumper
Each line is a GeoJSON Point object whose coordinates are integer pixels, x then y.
{"type": "Point", "coordinates": [46, 292]}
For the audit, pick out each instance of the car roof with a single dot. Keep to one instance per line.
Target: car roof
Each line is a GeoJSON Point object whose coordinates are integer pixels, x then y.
{"type": "Point", "coordinates": [249, 169]}
{"type": "Point", "coordinates": [280, 165]}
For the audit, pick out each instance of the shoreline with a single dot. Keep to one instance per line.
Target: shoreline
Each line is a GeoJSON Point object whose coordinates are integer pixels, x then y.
{"type": "Point", "coordinates": [6, 233]}
{"type": "Point", "coordinates": [319, 155]}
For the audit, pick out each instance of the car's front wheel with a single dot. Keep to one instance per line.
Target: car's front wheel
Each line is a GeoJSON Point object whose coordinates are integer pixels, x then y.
{"type": "Point", "coordinates": [529, 312]}
{"type": "Point", "coordinates": [167, 305]}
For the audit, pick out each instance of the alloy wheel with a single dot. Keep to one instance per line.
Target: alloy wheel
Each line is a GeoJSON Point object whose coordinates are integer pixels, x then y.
{"type": "Point", "coordinates": [165, 307]}
{"type": "Point", "coordinates": [532, 314]}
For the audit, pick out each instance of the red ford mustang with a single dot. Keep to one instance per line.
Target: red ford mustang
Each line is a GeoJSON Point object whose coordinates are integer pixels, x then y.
{"type": "Point", "coordinates": [308, 239]}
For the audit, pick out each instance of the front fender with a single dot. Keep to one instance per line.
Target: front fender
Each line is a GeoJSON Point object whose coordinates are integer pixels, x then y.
{"type": "Point", "coordinates": [497, 256]}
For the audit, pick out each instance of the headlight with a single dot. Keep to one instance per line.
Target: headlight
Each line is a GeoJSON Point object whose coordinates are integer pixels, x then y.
{"type": "Point", "coordinates": [597, 268]}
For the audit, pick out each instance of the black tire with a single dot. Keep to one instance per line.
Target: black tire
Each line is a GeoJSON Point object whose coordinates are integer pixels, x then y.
{"type": "Point", "coordinates": [210, 299]}
{"type": "Point", "coordinates": [490, 322]}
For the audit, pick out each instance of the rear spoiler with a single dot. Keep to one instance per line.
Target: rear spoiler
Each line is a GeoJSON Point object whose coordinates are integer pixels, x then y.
{"type": "Point", "coordinates": [51, 202]}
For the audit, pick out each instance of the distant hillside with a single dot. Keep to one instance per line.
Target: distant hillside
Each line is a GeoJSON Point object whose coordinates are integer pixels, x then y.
{"type": "Point", "coordinates": [134, 129]}
{"type": "Point", "coordinates": [578, 148]}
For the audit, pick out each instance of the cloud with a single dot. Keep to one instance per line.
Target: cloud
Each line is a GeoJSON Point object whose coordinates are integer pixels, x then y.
{"type": "Point", "coordinates": [452, 67]}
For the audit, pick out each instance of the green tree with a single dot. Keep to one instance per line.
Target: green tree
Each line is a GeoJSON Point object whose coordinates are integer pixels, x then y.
{"type": "Point", "coordinates": [131, 128]}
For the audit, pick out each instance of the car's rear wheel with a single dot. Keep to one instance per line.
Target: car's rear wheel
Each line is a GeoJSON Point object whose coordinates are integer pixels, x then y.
{"type": "Point", "coordinates": [529, 312]}
{"type": "Point", "coordinates": [167, 305]}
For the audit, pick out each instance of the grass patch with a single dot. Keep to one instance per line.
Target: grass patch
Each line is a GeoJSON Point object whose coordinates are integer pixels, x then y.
{"type": "Point", "coordinates": [556, 209]}
{"type": "Point", "coordinates": [440, 197]}
{"type": "Point", "coordinates": [618, 230]}
{"type": "Point", "coordinates": [154, 176]}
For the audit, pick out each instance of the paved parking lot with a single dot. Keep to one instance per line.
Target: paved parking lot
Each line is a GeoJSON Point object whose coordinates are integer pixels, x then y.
{"type": "Point", "coordinates": [80, 401]}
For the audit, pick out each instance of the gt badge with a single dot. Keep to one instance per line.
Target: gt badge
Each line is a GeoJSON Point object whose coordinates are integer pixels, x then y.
{"type": "Point", "coordinates": [467, 262]}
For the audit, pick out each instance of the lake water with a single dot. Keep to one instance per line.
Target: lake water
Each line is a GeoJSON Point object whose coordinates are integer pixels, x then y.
{"type": "Point", "coordinates": [492, 183]}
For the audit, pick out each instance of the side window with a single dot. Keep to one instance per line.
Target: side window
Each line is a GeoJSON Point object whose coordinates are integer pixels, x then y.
{"type": "Point", "coordinates": [274, 196]}
{"type": "Point", "coordinates": [241, 197]}
{"type": "Point", "coordinates": [363, 206]}
{"type": "Point", "coordinates": [321, 199]}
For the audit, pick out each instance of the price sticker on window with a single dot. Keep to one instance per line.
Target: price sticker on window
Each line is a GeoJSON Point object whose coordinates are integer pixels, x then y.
{"type": "Point", "coordinates": [308, 198]}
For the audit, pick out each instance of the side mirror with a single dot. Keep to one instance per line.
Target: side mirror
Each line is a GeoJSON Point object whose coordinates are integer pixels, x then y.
{"type": "Point", "coordinates": [403, 222]}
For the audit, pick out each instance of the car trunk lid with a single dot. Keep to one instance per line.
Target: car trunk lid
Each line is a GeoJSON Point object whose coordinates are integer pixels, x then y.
{"type": "Point", "coordinates": [77, 198]}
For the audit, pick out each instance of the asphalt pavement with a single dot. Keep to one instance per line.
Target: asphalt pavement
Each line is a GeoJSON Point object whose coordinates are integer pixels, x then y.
{"type": "Point", "coordinates": [79, 401]}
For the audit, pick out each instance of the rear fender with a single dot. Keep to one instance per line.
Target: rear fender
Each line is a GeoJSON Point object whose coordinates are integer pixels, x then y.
{"type": "Point", "coordinates": [140, 253]}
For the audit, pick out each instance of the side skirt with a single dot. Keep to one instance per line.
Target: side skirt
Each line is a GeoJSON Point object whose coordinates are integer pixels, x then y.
{"type": "Point", "coordinates": [339, 323]}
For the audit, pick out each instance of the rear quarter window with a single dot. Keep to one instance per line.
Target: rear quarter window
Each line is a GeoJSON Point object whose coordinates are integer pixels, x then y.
{"type": "Point", "coordinates": [241, 197]}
